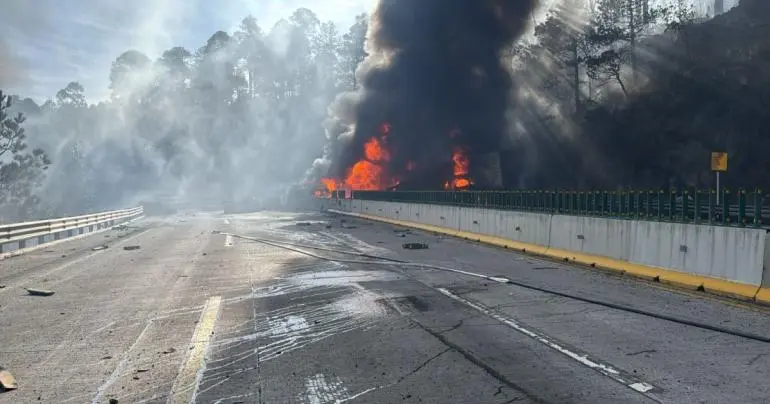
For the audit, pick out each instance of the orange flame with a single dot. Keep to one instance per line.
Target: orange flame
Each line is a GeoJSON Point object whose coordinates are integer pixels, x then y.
{"type": "Point", "coordinates": [330, 184]}
{"type": "Point", "coordinates": [460, 170]}
{"type": "Point", "coordinates": [461, 163]}
{"type": "Point", "coordinates": [373, 151]}
{"type": "Point", "coordinates": [365, 176]}
{"type": "Point", "coordinates": [369, 173]}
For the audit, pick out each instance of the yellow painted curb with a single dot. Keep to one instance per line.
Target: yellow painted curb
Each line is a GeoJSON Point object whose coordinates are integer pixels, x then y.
{"type": "Point", "coordinates": [679, 279]}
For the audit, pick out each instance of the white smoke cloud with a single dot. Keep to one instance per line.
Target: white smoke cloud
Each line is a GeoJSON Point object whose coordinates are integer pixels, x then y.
{"type": "Point", "coordinates": [77, 40]}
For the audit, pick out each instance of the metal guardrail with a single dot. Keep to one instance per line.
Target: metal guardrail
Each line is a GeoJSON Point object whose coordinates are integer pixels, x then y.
{"type": "Point", "coordinates": [21, 232]}
{"type": "Point", "coordinates": [741, 208]}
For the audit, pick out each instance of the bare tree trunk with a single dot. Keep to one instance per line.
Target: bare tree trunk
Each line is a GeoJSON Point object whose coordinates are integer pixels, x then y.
{"type": "Point", "coordinates": [632, 35]}
{"type": "Point", "coordinates": [620, 81]}
{"type": "Point", "coordinates": [576, 75]}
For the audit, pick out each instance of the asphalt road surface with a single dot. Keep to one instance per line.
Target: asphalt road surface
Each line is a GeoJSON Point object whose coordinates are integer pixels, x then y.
{"type": "Point", "coordinates": [308, 308]}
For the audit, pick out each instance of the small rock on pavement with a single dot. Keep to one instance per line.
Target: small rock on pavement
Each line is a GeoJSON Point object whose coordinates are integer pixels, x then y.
{"type": "Point", "coordinates": [113, 401]}
{"type": "Point", "coordinates": [101, 247]}
{"type": "Point", "coordinates": [2, 286]}
{"type": "Point", "coordinates": [7, 381]}
{"type": "Point", "coordinates": [170, 350]}
{"type": "Point", "coordinates": [131, 247]}
{"type": "Point", "coordinates": [39, 292]}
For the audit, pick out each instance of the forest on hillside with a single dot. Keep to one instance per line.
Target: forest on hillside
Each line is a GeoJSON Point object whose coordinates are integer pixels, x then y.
{"type": "Point", "coordinates": [639, 96]}
{"type": "Point", "coordinates": [609, 93]}
{"type": "Point", "coordinates": [242, 115]}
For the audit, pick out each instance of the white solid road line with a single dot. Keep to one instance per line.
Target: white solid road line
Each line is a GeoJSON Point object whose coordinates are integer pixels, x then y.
{"type": "Point", "coordinates": [118, 371]}
{"type": "Point", "coordinates": [603, 368]}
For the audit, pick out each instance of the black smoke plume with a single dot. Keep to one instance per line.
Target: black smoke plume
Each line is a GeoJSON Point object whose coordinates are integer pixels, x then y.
{"type": "Point", "coordinates": [434, 74]}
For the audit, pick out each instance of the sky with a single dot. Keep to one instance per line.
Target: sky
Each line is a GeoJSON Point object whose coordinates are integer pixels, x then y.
{"type": "Point", "coordinates": [45, 44]}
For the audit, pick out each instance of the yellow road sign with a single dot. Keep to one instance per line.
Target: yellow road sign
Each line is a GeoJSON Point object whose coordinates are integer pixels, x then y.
{"type": "Point", "coordinates": [718, 161]}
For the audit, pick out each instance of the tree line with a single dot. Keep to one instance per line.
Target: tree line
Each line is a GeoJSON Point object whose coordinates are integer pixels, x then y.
{"type": "Point", "coordinates": [239, 116]}
{"type": "Point", "coordinates": [638, 94]}
{"type": "Point", "coordinates": [610, 93]}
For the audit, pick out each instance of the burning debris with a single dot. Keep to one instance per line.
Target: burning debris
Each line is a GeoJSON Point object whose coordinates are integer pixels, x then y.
{"type": "Point", "coordinates": [431, 112]}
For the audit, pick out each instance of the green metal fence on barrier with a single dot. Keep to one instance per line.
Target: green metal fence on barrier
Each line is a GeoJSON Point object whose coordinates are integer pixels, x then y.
{"type": "Point", "coordinates": [741, 208]}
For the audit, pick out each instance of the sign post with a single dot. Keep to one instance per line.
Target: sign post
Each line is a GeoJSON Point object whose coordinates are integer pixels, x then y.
{"type": "Point", "coordinates": [718, 164]}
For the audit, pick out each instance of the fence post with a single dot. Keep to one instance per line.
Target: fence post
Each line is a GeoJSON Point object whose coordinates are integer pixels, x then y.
{"type": "Point", "coordinates": [696, 209]}
{"type": "Point", "coordinates": [725, 206]}
{"type": "Point", "coordinates": [671, 204]}
{"type": "Point", "coordinates": [741, 207]}
{"type": "Point", "coordinates": [686, 205]}
{"type": "Point", "coordinates": [758, 207]}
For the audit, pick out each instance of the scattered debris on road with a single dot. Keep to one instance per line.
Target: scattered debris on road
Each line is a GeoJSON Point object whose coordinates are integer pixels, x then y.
{"type": "Point", "coordinates": [120, 227]}
{"type": "Point", "coordinates": [205, 254]}
{"type": "Point", "coordinates": [7, 381]}
{"type": "Point", "coordinates": [2, 286]}
{"type": "Point", "coordinates": [99, 248]}
{"type": "Point", "coordinates": [39, 292]}
{"type": "Point", "coordinates": [131, 247]}
{"type": "Point", "coordinates": [142, 370]}
{"type": "Point", "coordinates": [328, 226]}
{"type": "Point", "coordinates": [303, 224]}
{"type": "Point", "coordinates": [415, 246]}
{"type": "Point", "coordinates": [168, 351]}
{"type": "Point", "coordinates": [106, 357]}
{"type": "Point", "coordinates": [401, 231]}
{"type": "Point", "coordinates": [114, 401]}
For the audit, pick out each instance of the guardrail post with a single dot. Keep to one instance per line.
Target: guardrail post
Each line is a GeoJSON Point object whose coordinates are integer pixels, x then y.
{"type": "Point", "coordinates": [758, 207]}
{"type": "Point", "coordinates": [742, 207]}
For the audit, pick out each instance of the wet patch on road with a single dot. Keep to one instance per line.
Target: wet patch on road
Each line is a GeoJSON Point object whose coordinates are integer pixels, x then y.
{"type": "Point", "coordinates": [289, 314]}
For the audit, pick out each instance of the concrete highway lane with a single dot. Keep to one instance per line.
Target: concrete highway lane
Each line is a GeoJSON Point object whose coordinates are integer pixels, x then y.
{"type": "Point", "coordinates": [304, 308]}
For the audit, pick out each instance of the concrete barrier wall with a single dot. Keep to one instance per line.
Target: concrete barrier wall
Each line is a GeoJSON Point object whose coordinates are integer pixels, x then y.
{"type": "Point", "coordinates": [766, 273]}
{"type": "Point", "coordinates": [729, 253]}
